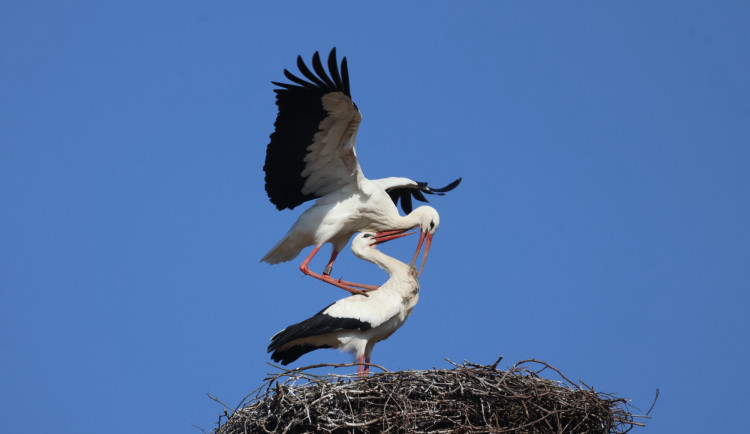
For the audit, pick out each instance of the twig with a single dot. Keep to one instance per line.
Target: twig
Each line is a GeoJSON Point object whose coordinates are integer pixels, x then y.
{"type": "Point", "coordinates": [217, 400]}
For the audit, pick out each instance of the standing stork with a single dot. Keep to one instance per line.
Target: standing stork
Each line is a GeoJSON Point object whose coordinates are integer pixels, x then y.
{"type": "Point", "coordinates": [312, 156]}
{"type": "Point", "coordinates": [355, 323]}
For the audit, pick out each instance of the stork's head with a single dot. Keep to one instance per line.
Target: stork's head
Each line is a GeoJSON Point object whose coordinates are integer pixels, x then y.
{"type": "Point", "coordinates": [428, 220]}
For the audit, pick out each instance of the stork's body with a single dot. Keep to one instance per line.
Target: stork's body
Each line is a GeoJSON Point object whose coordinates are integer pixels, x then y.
{"type": "Point", "coordinates": [354, 324]}
{"type": "Point", "coordinates": [336, 217]}
{"type": "Point", "coordinates": [312, 156]}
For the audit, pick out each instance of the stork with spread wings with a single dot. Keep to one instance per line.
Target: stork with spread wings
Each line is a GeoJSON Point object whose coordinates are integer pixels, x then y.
{"type": "Point", "coordinates": [312, 155]}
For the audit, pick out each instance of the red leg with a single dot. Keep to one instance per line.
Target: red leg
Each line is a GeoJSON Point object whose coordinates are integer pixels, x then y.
{"type": "Point", "coordinates": [354, 288]}
{"type": "Point", "coordinates": [303, 266]}
{"type": "Point", "coordinates": [356, 285]}
{"type": "Point", "coordinates": [359, 369]}
{"type": "Point", "coordinates": [329, 267]}
{"type": "Point", "coordinates": [367, 367]}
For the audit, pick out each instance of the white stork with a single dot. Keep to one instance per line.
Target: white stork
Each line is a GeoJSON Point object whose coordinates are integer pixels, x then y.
{"type": "Point", "coordinates": [355, 323]}
{"type": "Point", "coordinates": [312, 156]}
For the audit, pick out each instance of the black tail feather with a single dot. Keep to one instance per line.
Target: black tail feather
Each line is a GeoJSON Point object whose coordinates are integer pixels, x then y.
{"type": "Point", "coordinates": [315, 326]}
{"type": "Point", "coordinates": [293, 353]}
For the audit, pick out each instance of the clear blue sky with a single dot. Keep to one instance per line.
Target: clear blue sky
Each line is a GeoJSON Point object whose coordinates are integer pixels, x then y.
{"type": "Point", "coordinates": [602, 225]}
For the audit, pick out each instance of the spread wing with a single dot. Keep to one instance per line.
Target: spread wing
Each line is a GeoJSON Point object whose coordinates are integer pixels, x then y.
{"type": "Point", "coordinates": [312, 150]}
{"type": "Point", "coordinates": [404, 189]}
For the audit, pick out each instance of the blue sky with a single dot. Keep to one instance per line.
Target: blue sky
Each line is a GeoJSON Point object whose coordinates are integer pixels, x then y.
{"type": "Point", "coordinates": [602, 224]}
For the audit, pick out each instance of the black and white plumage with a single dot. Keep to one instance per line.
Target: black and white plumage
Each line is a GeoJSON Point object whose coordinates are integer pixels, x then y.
{"type": "Point", "coordinates": [312, 156]}
{"type": "Point", "coordinates": [355, 323]}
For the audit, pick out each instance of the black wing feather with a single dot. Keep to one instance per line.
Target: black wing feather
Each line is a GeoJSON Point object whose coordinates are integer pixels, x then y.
{"type": "Point", "coordinates": [318, 67]}
{"type": "Point", "coordinates": [302, 83]}
{"type": "Point", "coordinates": [286, 86]}
{"type": "Point", "coordinates": [308, 74]}
{"type": "Point", "coordinates": [291, 354]}
{"type": "Point", "coordinates": [334, 68]}
{"type": "Point", "coordinates": [345, 77]}
{"type": "Point", "coordinates": [300, 113]}
{"type": "Point", "coordinates": [406, 202]}
{"type": "Point", "coordinates": [395, 195]}
{"type": "Point", "coordinates": [318, 324]}
{"type": "Point", "coordinates": [419, 196]}
{"type": "Point", "coordinates": [406, 193]}
{"type": "Point", "coordinates": [447, 188]}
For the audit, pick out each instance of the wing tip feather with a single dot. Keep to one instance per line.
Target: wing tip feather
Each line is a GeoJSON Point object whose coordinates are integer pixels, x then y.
{"type": "Point", "coordinates": [333, 80]}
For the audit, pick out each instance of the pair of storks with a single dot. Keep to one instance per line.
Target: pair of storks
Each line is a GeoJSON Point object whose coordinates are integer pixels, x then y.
{"type": "Point", "coordinates": [312, 156]}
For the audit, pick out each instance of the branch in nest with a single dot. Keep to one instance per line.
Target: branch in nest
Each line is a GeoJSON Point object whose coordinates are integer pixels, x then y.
{"type": "Point", "coordinates": [467, 398]}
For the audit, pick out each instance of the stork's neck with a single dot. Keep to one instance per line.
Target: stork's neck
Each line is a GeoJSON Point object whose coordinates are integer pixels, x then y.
{"type": "Point", "coordinates": [392, 266]}
{"type": "Point", "coordinates": [420, 216]}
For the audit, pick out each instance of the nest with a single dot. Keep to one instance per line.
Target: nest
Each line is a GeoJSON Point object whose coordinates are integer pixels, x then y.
{"type": "Point", "coordinates": [467, 398]}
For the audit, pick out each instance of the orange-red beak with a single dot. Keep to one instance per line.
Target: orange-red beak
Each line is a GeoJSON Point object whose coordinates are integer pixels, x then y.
{"type": "Point", "coordinates": [427, 239]}
{"type": "Point", "coordinates": [385, 236]}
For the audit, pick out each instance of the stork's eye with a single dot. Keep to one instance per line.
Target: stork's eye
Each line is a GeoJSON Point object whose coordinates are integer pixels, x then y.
{"type": "Point", "coordinates": [366, 236]}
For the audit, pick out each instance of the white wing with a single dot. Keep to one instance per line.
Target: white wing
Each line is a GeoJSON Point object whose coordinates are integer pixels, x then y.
{"type": "Point", "coordinates": [312, 150]}
{"type": "Point", "coordinates": [331, 162]}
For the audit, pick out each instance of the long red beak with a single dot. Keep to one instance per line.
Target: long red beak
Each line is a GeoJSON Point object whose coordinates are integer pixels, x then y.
{"type": "Point", "coordinates": [427, 245]}
{"type": "Point", "coordinates": [419, 247]}
{"type": "Point", "coordinates": [393, 232]}
{"type": "Point", "coordinates": [385, 236]}
{"type": "Point", "coordinates": [427, 239]}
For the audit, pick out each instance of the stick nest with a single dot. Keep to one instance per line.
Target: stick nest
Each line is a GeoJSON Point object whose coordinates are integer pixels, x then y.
{"type": "Point", "coordinates": [467, 398]}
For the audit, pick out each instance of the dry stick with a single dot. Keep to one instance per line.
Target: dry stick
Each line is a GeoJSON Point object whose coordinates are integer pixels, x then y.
{"type": "Point", "coordinates": [551, 367]}
{"type": "Point", "coordinates": [196, 426]}
{"type": "Point", "coordinates": [653, 403]}
{"type": "Point", "coordinates": [494, 365]}
{"type": "Point", "coordinates": [217, 400]}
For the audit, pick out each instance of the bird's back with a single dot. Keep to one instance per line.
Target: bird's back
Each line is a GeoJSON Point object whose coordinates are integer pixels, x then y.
{"type": "Point", "coordinates": [350, 324]}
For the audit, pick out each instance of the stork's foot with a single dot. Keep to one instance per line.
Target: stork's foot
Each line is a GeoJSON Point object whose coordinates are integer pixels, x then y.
{"type": "Point", "coordinates": [354, 291]}
{"type": "Point", "coordinates": [354, 288]}
{"type": "Point", "coordinates": [351, 287]}
{"type": "Point", "coordinates": [357, 285]}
